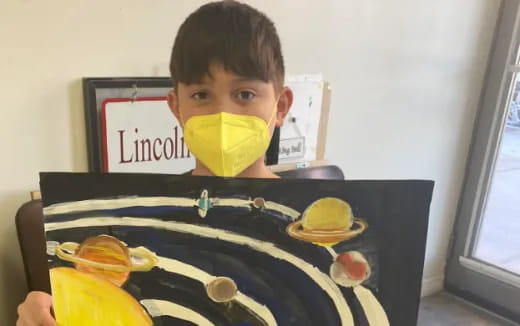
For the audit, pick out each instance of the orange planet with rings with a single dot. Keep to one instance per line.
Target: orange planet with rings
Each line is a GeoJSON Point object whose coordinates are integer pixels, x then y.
{"type": "Point", "coordinates": [107, 257]}
{"type": "Point", "coordinates": [327, 222]}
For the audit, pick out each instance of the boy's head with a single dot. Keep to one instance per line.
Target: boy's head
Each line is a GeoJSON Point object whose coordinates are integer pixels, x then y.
{"type": "Point", "coordinates": [232, 34]}
{"type": "Point", "coordinates": [227, 59]}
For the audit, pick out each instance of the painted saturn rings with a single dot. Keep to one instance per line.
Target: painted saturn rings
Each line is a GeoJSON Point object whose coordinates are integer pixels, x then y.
{"type": "Point", "coordinates": [107, 257]}
{"type": "Point", "coordinates": [327, 222]}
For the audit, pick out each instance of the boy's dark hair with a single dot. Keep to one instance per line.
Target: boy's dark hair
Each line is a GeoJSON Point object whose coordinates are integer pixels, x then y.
{"type": "Point", "coordinates": [230, 33]}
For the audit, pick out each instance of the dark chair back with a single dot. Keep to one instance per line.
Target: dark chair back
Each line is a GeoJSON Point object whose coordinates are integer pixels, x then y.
{"type": "Point", "coordinates": [330, 172]}
{"type": "Point", "coordinates": [31, 237]}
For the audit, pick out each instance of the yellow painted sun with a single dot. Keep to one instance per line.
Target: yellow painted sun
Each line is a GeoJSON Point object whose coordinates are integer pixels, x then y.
{"type": "Point", "coordinates": [84, 299]}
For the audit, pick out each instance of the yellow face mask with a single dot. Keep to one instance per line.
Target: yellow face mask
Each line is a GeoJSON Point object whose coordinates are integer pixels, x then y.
{"type": "Point", "coordinates": [227, 143]}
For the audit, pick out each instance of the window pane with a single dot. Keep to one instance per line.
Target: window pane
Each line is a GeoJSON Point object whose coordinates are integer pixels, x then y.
{"type": "Point", "coordinates": [499, 239]}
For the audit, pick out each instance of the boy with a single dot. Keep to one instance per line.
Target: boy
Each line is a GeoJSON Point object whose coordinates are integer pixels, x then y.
{"type": "Point", "coordinates": [228, 74]}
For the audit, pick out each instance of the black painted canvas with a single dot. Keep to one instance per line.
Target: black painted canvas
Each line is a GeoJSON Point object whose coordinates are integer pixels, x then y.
{"type": "Point", "coordinates": [134, 249]}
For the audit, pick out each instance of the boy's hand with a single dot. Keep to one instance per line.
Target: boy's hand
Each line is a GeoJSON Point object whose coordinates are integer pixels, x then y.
{"type": "Point", "coordinates": [36, 310]}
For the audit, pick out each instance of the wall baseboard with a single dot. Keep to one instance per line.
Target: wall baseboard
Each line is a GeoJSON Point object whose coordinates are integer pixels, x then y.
{"type": "Point", "coordinates": [432, 285]}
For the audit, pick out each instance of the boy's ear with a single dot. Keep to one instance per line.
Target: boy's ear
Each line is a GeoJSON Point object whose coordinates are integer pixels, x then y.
{"type": "Point", "coordinates": [285, 102]}
{"type": "Point", "coordinates": [173, 103]}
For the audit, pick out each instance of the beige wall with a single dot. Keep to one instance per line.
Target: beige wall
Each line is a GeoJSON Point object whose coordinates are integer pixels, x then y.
{"type": "Point", "coordinates": [406, 75]}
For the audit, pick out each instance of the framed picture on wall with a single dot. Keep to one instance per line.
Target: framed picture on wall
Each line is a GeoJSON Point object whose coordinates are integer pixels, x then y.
{"type": "Point", "coordinates": [100, 93]}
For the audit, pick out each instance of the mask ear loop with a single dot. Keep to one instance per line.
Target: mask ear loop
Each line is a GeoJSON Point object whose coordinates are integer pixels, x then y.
{"type": "Point", "coordinates": [182, 118]}
{"type": "Point", "coordinates": [273, 113]}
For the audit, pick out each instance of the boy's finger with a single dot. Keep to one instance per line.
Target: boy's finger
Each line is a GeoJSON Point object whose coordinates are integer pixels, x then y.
{"type": "Point", "coordinates": [47, 320]}
{"type": "Point", "coordinates": [40, 299]}
{"type": "Point", "coordinates": [23, 321]}
{"type": "Point", "coordinates": [24, 316]}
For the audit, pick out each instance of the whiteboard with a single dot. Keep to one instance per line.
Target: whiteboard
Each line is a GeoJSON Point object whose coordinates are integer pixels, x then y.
{"type": "Point", "coordinates": [300, 136]}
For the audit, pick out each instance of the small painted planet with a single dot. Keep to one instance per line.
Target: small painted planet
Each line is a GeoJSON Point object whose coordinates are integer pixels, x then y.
{"type": "Point", "coordinates": [350, 269]}
{"type": "Point", "coordinates": [259, 203]}
{"type": "Point", "coordinates": [107, 257]}
{"type": "Point", "coordinates": [327, 222]}
{"type": "Point", "coordinates": [222, 289]}
{"type": "Point", "coordinates": [204, 203]}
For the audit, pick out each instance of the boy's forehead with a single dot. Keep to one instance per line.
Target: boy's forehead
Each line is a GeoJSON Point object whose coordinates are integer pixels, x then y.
{"type": "Point", "coordinates": [218, 74]}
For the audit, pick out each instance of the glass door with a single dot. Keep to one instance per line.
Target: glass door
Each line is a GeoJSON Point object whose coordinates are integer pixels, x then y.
{"type": "Point", "coordinates": [484, 261]}
{"type": "Point", "coordinates": [498, 240]}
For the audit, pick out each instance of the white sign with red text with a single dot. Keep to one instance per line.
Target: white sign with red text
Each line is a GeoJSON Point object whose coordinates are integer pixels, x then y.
{"type": "Point", "coordinates": [143, 136]}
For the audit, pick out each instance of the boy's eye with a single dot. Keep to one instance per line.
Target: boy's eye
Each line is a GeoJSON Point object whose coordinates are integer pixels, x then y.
{"type": "Point", "coordinates": [246, 95]}
{"type": "Point", "coordinates": [198, 96]}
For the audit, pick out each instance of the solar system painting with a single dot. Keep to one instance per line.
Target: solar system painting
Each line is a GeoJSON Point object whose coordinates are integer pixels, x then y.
{"type": "Point", "coordinates": [138, 249]}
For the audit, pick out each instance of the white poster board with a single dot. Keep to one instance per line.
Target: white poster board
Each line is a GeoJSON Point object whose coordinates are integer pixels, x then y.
{"type": "Point", "coordinates": [143, 136]}
{"type": "Point", "coordinates": [300, 134]}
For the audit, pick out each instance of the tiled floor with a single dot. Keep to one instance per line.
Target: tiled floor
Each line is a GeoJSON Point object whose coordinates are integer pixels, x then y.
{"type": "Point", "coordinates": [446, 310]}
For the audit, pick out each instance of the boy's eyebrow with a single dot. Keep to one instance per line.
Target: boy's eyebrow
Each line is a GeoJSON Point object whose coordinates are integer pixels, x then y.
{"type": "Point", "coordinates": [206, 82]}
{"type": "Point", "coordinates": [197, 83]}
{"type": "Point", "coordinates": [248, 79]}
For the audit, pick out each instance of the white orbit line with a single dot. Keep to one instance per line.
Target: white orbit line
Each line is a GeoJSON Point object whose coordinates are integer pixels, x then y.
{"type": "Point", "coordinates": [190, 271]}
{"type": "Point", "coordinates": [178, 267]}
{"type": "Point", "coordinates": [101, 204]}
{"type": "Point", "coordinates": [104, 204]}
{"type": "Point", "coordinates": [158, 308]}
{"type": "Point", "coordinates": [244, 203]}
{"type": "Point", "coordinates": [232, 202]}
{"type": "Point", "coordinates": [374, 312]}
{"type": "Point", "coordinates": [282, 209]}
{"type": "Point", "coordinates": [332, 252]}
{"type": "Point", "coordinates": [320, 278]}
